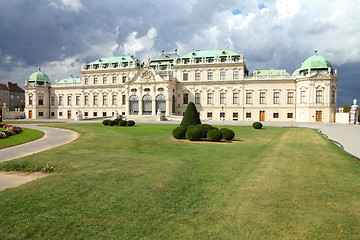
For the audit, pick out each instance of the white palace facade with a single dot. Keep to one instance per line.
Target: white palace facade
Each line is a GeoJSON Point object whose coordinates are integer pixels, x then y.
{"type": "Point", "coordinates": [217, 81]}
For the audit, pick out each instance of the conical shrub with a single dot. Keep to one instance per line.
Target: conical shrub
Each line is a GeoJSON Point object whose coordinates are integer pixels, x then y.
{"type": "Point", "coordinates": [191, 116]}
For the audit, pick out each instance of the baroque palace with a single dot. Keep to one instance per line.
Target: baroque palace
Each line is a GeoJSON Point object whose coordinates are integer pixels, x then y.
{"type": "Point", "coordinates": [217, 81]}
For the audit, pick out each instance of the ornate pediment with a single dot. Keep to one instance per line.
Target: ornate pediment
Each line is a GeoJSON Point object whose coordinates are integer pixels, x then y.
{"type": "Point", "coordinates": [146, 75]}
{"type": "Point", "coordinates": [320, 76]}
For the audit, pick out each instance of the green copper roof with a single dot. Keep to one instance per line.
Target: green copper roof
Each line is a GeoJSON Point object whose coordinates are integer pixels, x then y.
{"type": "Point", "coordinates": [39, 77]}
{"type": "Point", "coordinates": [115, 59]}
{"type": "Point", "coordinates": [166, 57]}
{"type": "Point", "coordinates": [272, 72]}
{"type": "Point", "coordinates": [296, 71]}
{"type": "Point", "coordinates": [315, 62]}
{"type": "Point", "coordinates": [210, 53]}
{"type": "Point", "coordinates": [70, 80]}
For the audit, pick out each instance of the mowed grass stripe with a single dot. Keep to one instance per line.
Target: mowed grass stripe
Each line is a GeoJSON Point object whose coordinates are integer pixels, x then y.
{"type": "Point", "coordinates": [131, 183]}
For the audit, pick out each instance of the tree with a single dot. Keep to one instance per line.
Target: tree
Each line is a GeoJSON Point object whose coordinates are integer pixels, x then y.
{"type": "Point", "coordinates": [346, 108]}
{"type": "Point", "coordinates": [191, 116]}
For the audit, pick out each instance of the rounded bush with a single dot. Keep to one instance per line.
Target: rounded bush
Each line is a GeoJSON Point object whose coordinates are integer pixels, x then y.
{"type": "Point", "coordinates": [214, 135]}
{"type": "Point", "coordinates": [130, 123]}
{"type": "Point", "coordinates": [193, 134]}
{"type": "Point", "coordinates": [111, 123]}
{"type": "Point", "coordinates": [228, 134]}
{"type": "Point", "coordinates": [257, 125]}
{"type": "Point", "coordinates": [122, 123]}
{"type": "Point", "coordinates": [204, 128]}
{"type": "Point", "coordinates": [106, 122]}
{"type": "Point", "coordinates": [179, 132]}
{"type": "Point", "coordinates": [117, 120]}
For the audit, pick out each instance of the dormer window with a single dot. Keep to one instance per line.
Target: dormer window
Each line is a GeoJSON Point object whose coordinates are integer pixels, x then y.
{"type": "Point", "coordinates": [147, 90]}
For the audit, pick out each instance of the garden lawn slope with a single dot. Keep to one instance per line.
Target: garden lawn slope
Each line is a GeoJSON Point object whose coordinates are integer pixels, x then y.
{"type": "Point", "coordinates": [139, 182]}
{"type": "Point", "coordinates": [27, 135]}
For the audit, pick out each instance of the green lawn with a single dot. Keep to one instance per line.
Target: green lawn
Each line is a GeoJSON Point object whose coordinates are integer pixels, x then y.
{"type": "Point", "coordinates": [26, 135]}
{"type": "Point", "coordinates": [140, 183]}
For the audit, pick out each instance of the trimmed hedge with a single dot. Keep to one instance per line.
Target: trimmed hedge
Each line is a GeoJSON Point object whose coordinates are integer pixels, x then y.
{"type": "Point", "coordinates": [179, 132]}
{"type": "Point", "coordinates": [193, 134]}
{"type": "Point", "coordinates": [130, 123]}
{"type": "Point", "coordinates": [204, 128]}
{"type": "Point", "coordinates": [214, 135]}
{"type": "Point", "coordinates": [122, 123]}
{"type": "Point", "coordinates": [228, 134]}
{"type": "Point", "coordinates": [257, 125]}
{"type": "Point", "coordinates": [112, 123]}
{"type": "Point", "coordinates": [191, 116]}
{"type": "Point", "coordinates": [106, 122]}
{"type": "Point", "coordinates": [117, 120]}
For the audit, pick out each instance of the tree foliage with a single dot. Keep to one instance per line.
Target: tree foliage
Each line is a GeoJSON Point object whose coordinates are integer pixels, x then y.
{"type": "Point", "coordinates": [191, 116]}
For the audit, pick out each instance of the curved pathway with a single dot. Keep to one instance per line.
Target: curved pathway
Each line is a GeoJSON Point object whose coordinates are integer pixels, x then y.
{"type": "Point", "coordinates": [53, 137]}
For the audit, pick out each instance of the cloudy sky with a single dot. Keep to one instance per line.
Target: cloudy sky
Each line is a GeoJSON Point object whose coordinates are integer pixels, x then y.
{"type": "Point", "coordinates": [61, 35]}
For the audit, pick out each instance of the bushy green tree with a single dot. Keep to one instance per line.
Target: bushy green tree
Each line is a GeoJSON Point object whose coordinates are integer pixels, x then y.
{"type": "Point", "coordinates": [191, 116]}
{"type": "Point", "coordinates": [346, 108]}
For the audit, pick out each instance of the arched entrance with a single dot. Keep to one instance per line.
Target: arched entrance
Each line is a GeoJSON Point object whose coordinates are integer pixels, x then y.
{"type": "Point", "coordinates": [134, 105]}
{"type": "Point", "coordinates": [161, 103]}
{"type": "Point", "coordinates": [146, 105]}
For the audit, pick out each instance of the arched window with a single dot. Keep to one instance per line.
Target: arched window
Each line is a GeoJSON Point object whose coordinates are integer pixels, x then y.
{"type": "Point", "coordinates": [146, 105]}
{"type": "Point", "coordinates": [134, 105]}
{"type": "Point", "coordinates": [161, 103]}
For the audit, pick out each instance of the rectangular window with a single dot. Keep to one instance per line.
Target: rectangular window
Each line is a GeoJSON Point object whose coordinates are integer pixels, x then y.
{"type": "Point", "coordinates": [77, 100]}
{"type": "Point", "coordinates": [69, 100]}
{"type": "Point", "coordinates": [95, 80]}
{"type": "Point", "coordinates": [41, 114]}
{"type": "Point", "coordinates": [275, 115]}
{"type": "Point", "coordinates": [52, 100]}
{"type": "Point", "coordinates": [114, 79]}
{"type": "Point", "coordinates": [209, 98]}
{"type": "Point", "coordinates": [30, 100]}
{"type": "Point", "coordinates": [123, 99]}
{"type": "Point", "coordinates": [197, 76]}
{"type": "Point", "coordinates": [60, 114]}
{"type": "Point", "coordinates": [222, 115]}
{"type": "Point", "coordinates": [222, 75]}
{"type": "Point", "coordinates": [209, 114]}
{"type": "Point", "coordinates": [248, 98]}
{"type": "Point", "coordinates": [318, 96]}
{"type": "Point", "coordinates": [95, 102]}
{"type": "Point", "coordinates": [53, 114]}
{"type": "Point", "coordinates": [235, 98]}
{"type": "Point", "coordinates": [303, 97]}
{"type": "Point", "coordinates": [262, 98]}
{"type": "Point", "coordinates": [86, 81]}
{"type": "Point", "coordinates": [210, 76]}
{"type": "Point", "coordinates": [61, 101]}
{"type": "Point", "coordinates": [276, 98]}
{"type": "Point", "coordinates": [114, 100]}
{"type": "Point", "coordinates": [222, 98]}
{"type": "Point", "coordinates": [333, 96]}
{"type": "Point", "coordinates": [235, 115]}
{"type": "Point", "coordinates": [186, 98]}
{"type": "Point", "coordinates": [197, 98]}
{"type": "Point", "coordinates": [123, 79]}
{"type": "Point", "coordinates": [290, 97]}
{"type": "Point", "coordinates": [104, 114]}
{"type": "Point", "coordinates": [105, 102]}
{"type": "Point", "coordinates": [248, 115]}
{"type": "Point", "coordinates": [86, 114]}
{"type": "Point", "coordinates": [86, 100]}
{"type": "Point", "coordinates": [236, 75]}
{"type": "Point", "coordinates": [95, 114]}
{"type": "Point", "coordinates": [41, 100]}
{"type": "Point", "coordinates": [185, 76]}
{"type": "Point", "coordinates": [289, 115]}
{"type": "Point", "coordinates": [104, 80]}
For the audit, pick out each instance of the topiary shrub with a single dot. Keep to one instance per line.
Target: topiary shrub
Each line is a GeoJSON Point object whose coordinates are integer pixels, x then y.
{"type": "Point", "coordinates": [205, 128]}
{"type": "Point", "coordinates": [179, 132]}
{"type": "Point", "coordinates": [228, 134]}
{"type": "Point", "coordinates": [191, 116]}
{"type": "Point", "coordinates": [214, 135]}
{"type": "Point", "coordinates": [130, 123]}
{"type": "Point", "coordinates": [111, 123]}
{"type": "Point", "coordinates": [193, 134]}
{"type": "Point", "coordinates": [122, 123]}
{"type": "Point", "coordinates": [257, 125]}
{"type": "Point", "coordinates": [106, 122]}
{"type": "Point", "coordinates": [117, 120]}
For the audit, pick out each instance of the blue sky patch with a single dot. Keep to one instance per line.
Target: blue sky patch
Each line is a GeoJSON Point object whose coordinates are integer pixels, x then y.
{"type": "Point", "coordinates": [261, 6]}
{"type": "Point", "coordinates": [236, 11]}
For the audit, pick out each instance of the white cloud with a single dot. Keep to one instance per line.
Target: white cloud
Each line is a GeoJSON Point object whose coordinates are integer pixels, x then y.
{"type": "Point", "coordinates": [144, 43]}
{"type": "Point", "coordinates": [287, 8]}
